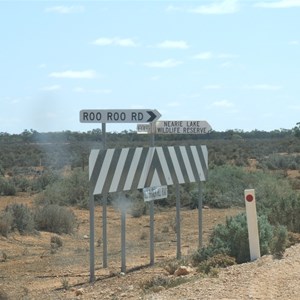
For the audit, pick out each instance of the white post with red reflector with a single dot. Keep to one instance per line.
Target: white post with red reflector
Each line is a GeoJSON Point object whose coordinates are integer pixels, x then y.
{"type": "Point", "coordinates": [252, 224]}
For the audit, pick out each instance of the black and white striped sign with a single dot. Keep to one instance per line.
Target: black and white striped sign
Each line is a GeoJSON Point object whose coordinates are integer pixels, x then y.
{"type": "Point", "coordinates": [115, 170]}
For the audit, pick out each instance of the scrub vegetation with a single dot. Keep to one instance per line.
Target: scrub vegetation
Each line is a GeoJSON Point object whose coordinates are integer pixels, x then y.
{"type": "Point", "coordinates": [54, 168]}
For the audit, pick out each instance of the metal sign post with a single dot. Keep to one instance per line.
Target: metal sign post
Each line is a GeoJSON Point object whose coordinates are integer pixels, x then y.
{"type": "Point", "coordinates": [104, 209]}
{"type": "Point", "coordinates": [123, 238]}
{"type": "Point", "coordinates": [178, 256]}
{"type": "Point", "coordinates": [92, 235]}
{"type": "Point", "coordinates": [151, 207]}
{"type": "Point", "coordinates": [200, 221]}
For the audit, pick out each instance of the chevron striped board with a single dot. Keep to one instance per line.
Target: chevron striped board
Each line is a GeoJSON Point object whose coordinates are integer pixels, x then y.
{"type": "Point", "coordinates": [116, 170]}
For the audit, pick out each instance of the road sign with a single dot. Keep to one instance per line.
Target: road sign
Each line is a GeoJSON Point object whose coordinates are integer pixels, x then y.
{"type": "Point", "coordinates": [176, 127]}
{"type": "Point", "coordinates": [182, 127]}
{"type": "Point", "coordinates": [155, 193]}
{"type": "Point", "coordinates": [119, 115]}
{"type": "Point", "coordinates": [143, 128]}
{"type": "Point", "coordinates": [117, 170]}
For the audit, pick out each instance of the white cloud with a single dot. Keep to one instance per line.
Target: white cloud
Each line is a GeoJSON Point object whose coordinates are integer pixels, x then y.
{"type": "Point", "coordinates": [87, 74]}
{"type": "Point", "coordinates": [217, 8]}
{"type": "Point", "coordinates": [223, 104]}
{"type": "Point", "coordinates": [116, 41]}
{"type": "Point", "coordinates": [55, 87]}
{"type": "Point", "coordinates": [168, 63]}
{"type": "Point", "coordinates": [173, 44]}
{"type": "Point", "coordinates": [203, 55]}
{"type": "Point", "coordinates": [279, 4]}
{"type": "Point", "coordinates": [294, 43]}
{"type": "Point", "coordinates": [265, 87]}
{"type": "Point", "coordinates": [65, 9]}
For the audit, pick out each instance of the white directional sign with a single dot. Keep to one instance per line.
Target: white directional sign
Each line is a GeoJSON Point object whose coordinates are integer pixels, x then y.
{"type": "Point", "coordinates": [119, 115]}
{"type": "Point", "coordinates": [176, 127]}
{"type": "Point", "coordinates": [155, 193]}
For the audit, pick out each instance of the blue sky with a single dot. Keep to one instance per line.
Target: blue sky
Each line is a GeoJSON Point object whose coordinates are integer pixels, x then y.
{"type": "Point", "coordinates": [233, 63]}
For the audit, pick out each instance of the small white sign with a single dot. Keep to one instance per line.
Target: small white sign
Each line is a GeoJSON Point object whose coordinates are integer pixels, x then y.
{"type": "Point", "coordinates": [143, 128]}
{"type": "Point", "coordinates": [155, 193]}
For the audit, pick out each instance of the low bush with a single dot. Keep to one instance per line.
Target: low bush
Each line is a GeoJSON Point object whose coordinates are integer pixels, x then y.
{"type": "Point", "coordinates": [6, 220]}
{"type": "Point", "coordinates": [155, 282]}
{"type": "Point", "coordinates": [216, 261]}
{"type": "Point", "coordinates": [225, 186]}
{"type": "Point", "coordinates": [55, 218]}
{"type": "Point", "coordinates": [232, 239]}
{"type": "Point", "coordinates": [280, 162]}
{"type": "Point", "coordinates": [280, 203]}
{"type": "Point", "coordinates": [22, 218]}
{"type": "Point", "coordinates": [7, 187]}
{"type": "Point", "coordinates": [280, 241]}
{"type": "Point", "coordinates": [56, 241]}
{"type": "Point", "coordinates": [72, 190]}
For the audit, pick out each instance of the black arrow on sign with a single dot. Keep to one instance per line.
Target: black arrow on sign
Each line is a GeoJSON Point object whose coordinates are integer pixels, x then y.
{"type": "Point", "coordinates": [152, 116]}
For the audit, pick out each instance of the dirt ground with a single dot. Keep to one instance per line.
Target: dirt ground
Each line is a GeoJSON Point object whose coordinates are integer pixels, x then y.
{"type": "Point", "coordinates": [33, 270]}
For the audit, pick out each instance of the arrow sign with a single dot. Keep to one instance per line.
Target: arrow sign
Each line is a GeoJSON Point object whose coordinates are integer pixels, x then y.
{"type": "Point", "coordinates": [119, 115]}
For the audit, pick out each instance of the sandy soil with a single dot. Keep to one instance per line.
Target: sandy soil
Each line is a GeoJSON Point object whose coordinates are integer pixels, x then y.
{"type": "Point", "coordinates": [32, 270]}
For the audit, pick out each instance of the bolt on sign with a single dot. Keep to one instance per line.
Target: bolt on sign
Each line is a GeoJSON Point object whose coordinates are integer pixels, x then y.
{"type": "Point", "coordinates": [155, 193]}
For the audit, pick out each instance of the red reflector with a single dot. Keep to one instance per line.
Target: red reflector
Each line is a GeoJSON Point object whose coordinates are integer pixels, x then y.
{"type": "Point", "coordinates": [249, 198]}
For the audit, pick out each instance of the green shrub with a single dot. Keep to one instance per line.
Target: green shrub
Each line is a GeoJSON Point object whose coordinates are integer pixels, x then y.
{"type": "Point", "coordinates": [7, 187]}
{"type": "Point", "coordinates": [232, 239]}
{"type": "Point", "coordinates": [56, 241]}
{"type": "Point", "coordinates": [6, 220]}
{"type": "Point", "coordinates": [42, 181]}
{"type": "Point", "coordinates": [22, 184]}
{"type": "Point", "coordinates": [216, 261]}
{"type": "Point", "coordinates": [72, 190]}
{"type": "Point", "coordinates": [225, 186]}
{"type": "Point", "coordinates": [137, 208]}
{"type": "Point", "coordinates": [55, 218]}
{"type": "Point", "coordinates": [154, 282]}
{"type": "Point", "coordinates": [205, 253]}
{"type": "Point", "coordinates": [280, 162]}
{"type": "Point", "coordinates": [280, 203]}
{"type": "Point", "coordinates": [22, 218]}
{"type": "Point", "coordinates": [280, 241]}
